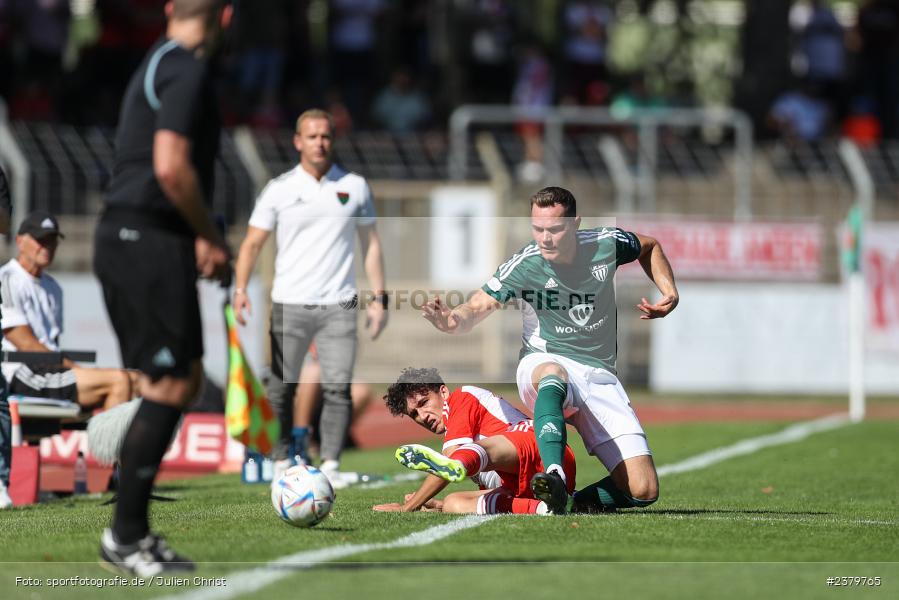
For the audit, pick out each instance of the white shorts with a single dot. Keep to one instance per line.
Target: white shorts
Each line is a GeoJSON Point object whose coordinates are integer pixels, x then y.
{"type": "Point", "coordinates": [616, 450]}
{"type": "Point", "coordinates": [596, 405]}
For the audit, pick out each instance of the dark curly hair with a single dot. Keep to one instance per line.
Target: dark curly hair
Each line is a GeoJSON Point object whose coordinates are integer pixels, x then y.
{"type": "Point", "coordinates": [411, 381]}
{"type": "Point", "coordinates": [550, 196]}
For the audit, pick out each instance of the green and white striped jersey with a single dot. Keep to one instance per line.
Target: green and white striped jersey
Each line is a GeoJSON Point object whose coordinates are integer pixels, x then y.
{"type": "Point", "coordinates": [569, 309]}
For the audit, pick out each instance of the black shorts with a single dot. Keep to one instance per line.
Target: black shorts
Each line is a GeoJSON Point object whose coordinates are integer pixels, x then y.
{"type": "Point", "coordinates": [45, 382]}
{"type": "Point", "coordinates": [149, 279]}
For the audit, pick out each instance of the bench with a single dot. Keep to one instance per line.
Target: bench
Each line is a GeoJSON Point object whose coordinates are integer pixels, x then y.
{"type": "Point", "coordinates": [43, 417]}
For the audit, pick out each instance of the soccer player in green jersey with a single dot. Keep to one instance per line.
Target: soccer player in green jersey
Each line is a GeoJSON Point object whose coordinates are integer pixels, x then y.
{"type": "Point", "coordinates": [563, 284]}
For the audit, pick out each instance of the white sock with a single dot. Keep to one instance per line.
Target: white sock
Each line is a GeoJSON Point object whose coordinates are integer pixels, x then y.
{"type": "Point", "coordinates": [330, 465]}
{"type": "Point", "coordinates": [487, 504]}
{"type": "Point", "coordinates": [480, 451]}
{"type": "Point", "coordinates": [554, 468]}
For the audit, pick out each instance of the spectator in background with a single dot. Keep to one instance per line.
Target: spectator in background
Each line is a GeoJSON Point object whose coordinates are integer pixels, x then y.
{"type": "Point", "coordinates": [260, 39]}
{"type": "Point", "coordinates": [533, 91]}
{"type": "Point", "coordinates": [305, 58]}
{"type": "Point", "coordinates": [7, 72]}
{"type": "Point", "coordinates": [877, 39]}
{"type": "Point", "coordinates": [45, 26]}
{"type": "Point", "coordinates": [5, 419]}
{"type": "Point", "coordinates": [821, 50]}
{"type": "Point", "coordinates": [412, 44]}
{"type": "Point", "coordinates": [340, 114]}
{"type": "Point", "coordinates": [353, 41]}
{"type": "Point", "coordinates": [401, 107]}
{"type": "Point", "coordinates": [636, 97]}
{"type": "Point", "coordinates": [861, 124]}
{"type": "Point", "coordinates": [108, 57]}
{"type": "Point", "coordinates": [489, 51]}
{"type": "Point", "coordinates": [44, 30]}
{"type": "Point", "coordinates": [800, 115]}
{"type": "Point", "coordinates": [586, 23]}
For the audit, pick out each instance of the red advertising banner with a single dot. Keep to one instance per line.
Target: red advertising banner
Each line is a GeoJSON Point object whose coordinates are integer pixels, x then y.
{"type": "Point", "coordinates": [880, 264]}
{"type": "Point", "coordinates": [744, 251]}
{"type": "Point", "coordinates": [201, 445]}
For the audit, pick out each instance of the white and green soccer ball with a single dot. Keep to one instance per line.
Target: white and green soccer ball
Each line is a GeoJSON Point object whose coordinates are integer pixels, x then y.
{"type": "Point", "coordinates": [303, 496]}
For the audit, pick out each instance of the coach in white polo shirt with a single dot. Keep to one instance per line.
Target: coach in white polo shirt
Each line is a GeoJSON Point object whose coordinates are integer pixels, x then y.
{"type": "Point", "coordinates": [317, 209]}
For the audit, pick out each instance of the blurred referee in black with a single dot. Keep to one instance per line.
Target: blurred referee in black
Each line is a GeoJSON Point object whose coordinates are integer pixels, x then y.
{"type": "Point", "coordinates": [154, 239]}
{"type": "Point", "coordinates": [5, 419]}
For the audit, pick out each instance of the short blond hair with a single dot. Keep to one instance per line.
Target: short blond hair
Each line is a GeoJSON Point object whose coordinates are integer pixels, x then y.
{"type": "Point", "coordinates": [315, 113]}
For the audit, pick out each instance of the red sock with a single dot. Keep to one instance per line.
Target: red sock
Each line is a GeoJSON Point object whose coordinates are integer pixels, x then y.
{"type": "Point", "coordinates": [497, 504]}
{"type": "Point", "coordinates": [525, 506]}
{"type": "Point", "coordinates": [469, 459]}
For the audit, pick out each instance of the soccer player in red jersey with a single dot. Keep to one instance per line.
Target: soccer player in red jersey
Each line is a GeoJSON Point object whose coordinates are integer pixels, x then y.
{"type": "Point", "coordinates": [485, 438]}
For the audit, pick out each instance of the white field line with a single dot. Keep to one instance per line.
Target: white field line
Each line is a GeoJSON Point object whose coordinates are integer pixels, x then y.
{"type": "Point", "coordinates": [784, 519]}
{"type": "Point", "coordinates": [791, 434]}
{"type": "Point", "coordinates": [253, 580]}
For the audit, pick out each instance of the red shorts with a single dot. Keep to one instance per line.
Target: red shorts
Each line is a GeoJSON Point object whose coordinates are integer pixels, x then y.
{"type": "Point", "coordinates": [529, 464]}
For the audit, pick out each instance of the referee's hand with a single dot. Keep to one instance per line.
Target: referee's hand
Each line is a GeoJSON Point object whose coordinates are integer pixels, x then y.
{"type": "Point", "coordinates": [213, 260]}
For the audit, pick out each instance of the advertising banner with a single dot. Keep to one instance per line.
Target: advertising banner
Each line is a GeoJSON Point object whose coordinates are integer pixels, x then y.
{"type": "Point", "coordinates": [788, 251]}
{"type": "Point", "coordinates": [880, 263]}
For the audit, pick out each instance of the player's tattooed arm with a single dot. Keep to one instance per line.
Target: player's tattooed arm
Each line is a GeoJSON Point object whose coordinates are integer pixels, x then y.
{"type": "Point", "coordinates": [462, 318]}
{"type": "Point", "coordinates": [656, 266]}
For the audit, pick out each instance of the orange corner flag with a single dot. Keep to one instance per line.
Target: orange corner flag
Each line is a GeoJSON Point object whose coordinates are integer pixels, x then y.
{"type": "Point", "coordinates": [248, 415]}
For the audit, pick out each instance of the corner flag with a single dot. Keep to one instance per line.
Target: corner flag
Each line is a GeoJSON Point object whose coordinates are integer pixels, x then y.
{"type": "Point", "coordinates": [248, 415]}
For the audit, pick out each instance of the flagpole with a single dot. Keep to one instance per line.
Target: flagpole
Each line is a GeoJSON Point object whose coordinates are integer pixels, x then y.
{"type": "Point", "coordinates": [859, 213]}
{"type": "Point", "coordinates": [856, 346]}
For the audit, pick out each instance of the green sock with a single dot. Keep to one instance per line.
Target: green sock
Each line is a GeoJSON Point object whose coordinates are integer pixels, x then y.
{"type": "Point", "coordinates": [549, 422]}
{"type": "Point", "coordinates": [604, 494]}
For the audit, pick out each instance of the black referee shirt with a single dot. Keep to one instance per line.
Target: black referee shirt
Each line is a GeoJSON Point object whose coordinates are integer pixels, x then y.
{"type": "Point", "coordinates": [173, 89]}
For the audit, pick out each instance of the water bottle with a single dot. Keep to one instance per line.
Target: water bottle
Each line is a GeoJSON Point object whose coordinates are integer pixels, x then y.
{"type": "Point", "coordinates": [80, 486]}
{"type": "Point", "coordinates": [268, 469]}
{"type": "Point", "coordinates": [251, 471]}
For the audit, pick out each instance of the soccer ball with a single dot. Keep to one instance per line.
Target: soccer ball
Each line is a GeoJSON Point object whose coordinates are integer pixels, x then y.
{"type": "Point", "coordinates": [303, 496]}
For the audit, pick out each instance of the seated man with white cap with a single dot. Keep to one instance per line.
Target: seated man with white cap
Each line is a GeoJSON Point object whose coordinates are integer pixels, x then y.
{"type": "Point", "coordinates": [32, 322]}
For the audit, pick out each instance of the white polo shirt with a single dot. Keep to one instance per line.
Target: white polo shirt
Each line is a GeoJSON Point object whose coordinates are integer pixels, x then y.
{"type": "Point", "coordinates": [315, 223]}
{"type": "Point", "coordinates": [29, 300]}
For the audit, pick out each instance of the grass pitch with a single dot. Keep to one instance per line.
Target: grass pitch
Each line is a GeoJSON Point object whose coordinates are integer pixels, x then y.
{"type": "Point", "coordinates": [777, 522]}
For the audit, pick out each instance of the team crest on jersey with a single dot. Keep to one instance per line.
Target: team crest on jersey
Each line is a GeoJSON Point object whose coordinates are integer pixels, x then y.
{"type": "Point", "coordinates": [343, 197]}
{"type": "Point", "coordinates": [600, 272]}
{"type": "Point", "coordinates": [581, 313]}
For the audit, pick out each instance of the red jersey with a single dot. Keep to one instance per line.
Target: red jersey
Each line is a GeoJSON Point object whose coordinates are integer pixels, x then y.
{"type": "Point", "coordinates": [472, 413]}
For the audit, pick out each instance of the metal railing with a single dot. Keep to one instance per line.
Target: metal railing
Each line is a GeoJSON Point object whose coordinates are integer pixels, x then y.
{"type": "Point", "coordinates": [16, 167]}
{"type": "Point", "coordinates": [651, 162]}
{"type": "Point", "coordinates": [647, 124]}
